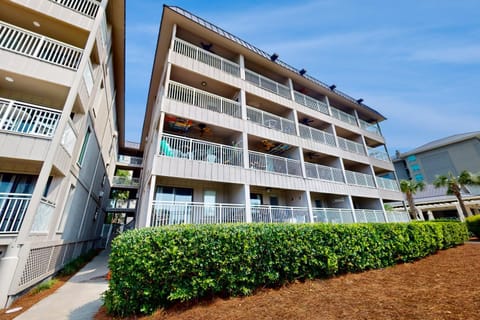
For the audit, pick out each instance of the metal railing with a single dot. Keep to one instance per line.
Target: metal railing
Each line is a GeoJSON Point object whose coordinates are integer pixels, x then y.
{"type": "Point", "coordinates": [170, 213]}
{"type": "Point", "coordinates": [360, 179]}
{"type": "Point", "coordinates": [310, 102]}
{"type": "Point", "coordinates": [369, 215]}
{"type": "Point", "coordinates": [13, 207]}
{"type": "Point", "coordinates": [130, 160]}
{"type": "Point", "coordinates": [122, 204]}
{"type": "Point", "coordinates": [370, 127]}
{"type": "Point", "coordinates": [350, 146]}
{"type": "Point", "coordinates": [278, 214]}
{"type": "Point", "coordinates": [387, 184]}
{"type": "Point", "coordinates": [343, 116]}
{"type": "Point", "coordinates": [29, 119]}
{"type": "Point", "coordinates": [189, 50]}
{"type": "Point", "coordinates": [126, 181]}
{"type": "Point", "coordinates": [270, 120]}
{"type": "Point", "coordinates": [318, 171]}
{"type": "Point", "coordinates": [266, 162]}
{"type": "Point", "coordinates": [267, 84]}
{"type": "Point", "coordinates": [378, 154]}
{"type": "Point", "coordinates": [398, 216]}
{"type": "Point", "coordinates": [43, 48]}
{"type": "Point", "coordinates": [332, 215]}
{"type": "Point", "coordinates": [316, 135]}
{"type": "Point", "coordinates": [202, 99]}
{"type": "Point", "coordinates": [193, 149]}
{"type": "Point", "coordinates": [85, 7]}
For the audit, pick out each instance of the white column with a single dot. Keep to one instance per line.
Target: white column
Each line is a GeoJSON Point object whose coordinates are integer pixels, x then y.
{"type": "Point", "coordinates": [469, 211]}
{"type": "Point", "coordinates": [150, 202]}
{"type": "Point", "coordinates": [430, 215]}
{"type": "Point", "coordinates": [328, 106]}
{"type": "Point", "coordinates": [241, 62]}
{"type": "Point", "coordinates": [460, 212]}
{"type": "Point", "coordinates": [248, 207]}
{"type": "Point", "coordinates": [8, 265]}
{"type": "Point", "coordinates": [350, 201]}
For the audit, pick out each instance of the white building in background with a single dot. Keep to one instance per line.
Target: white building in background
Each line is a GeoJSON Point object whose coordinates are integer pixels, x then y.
{"type": "Point", "coordinates": [61, 95]}
{"type": "Point", "coordinates": [233, 134]}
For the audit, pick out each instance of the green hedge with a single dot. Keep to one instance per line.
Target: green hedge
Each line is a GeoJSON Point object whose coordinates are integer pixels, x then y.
{"type": "Point", "coordinates": [155, 267]}
{"type": "Point", "coordinates": [473, 225]}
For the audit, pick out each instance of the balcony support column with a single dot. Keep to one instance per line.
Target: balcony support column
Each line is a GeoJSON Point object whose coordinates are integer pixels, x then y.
{"type": "Point", "coordinates": [248, 207]}
{"type": "Point", "coordinates": [151, 193]}
{"type": "Point", "coordinates": [241, 62]}
{"type": "Point", "coordinates": [328, 106]}
{"type": "Point", "coordinates": [352, 207]}
{"type": "Point", "coordinates": [8, 266]}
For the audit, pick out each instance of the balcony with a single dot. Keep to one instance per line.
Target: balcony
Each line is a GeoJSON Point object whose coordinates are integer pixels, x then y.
{"type": "Point", "coordinates": [317, 135]}
{"type": "Point", "coordinates": [13, 207]}
{"type": "Point", "coordinates": [278, 214]}
{"type": "Point", "coordinates": [321, 172]}
{"type": "Point", "coordinates": [121, 204]}
{"type": "Point", "coordinates": [266, 162]}
{"type": "Point", "coordinates": [191, 51]}
{"type": "Point", "coordinates": [398, 216]}
{"type": "Point", "coordinates": [199, 150]}
{"type": "Point", "coordinates": [370, 127]}
{"type": "Point", "coordinates": [169, 213]}
{"type": "Point", "coordinates": [267, 84]}
{"type": "Point", "coordinates": [88, 8]}
{"type": "Point", "coordinates": [203, 99]}
{"type": "Point", "coordinates": [130, 160]}
{"type": "Point", "coordinates": [378, 154]}
{"type": "Point", "coordinates": [343, 116]}
{"type": "Point", "coordinates": [270, 120]}
{"type": "Point", "coordinates": [369, 215]}
{"type": "Point", "coordinates": [359, 179]}
{"type": "Point", "coordinates": [39, 47]}
{"type": "Point", "coordinates": [387, 184]}
{"type": "Point", "coordinates": [332, 215]}
{"type": "Point", "coordinates": [28, 119]}
{"type": "Point", "coordinates": [128, 182]}
{"type": "Point", "coordinates": [350, 146]}
{"type": "Point", "coordinates": [310, 102]}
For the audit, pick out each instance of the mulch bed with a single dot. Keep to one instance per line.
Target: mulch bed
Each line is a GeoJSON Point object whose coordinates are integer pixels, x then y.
{"type": "Point", "coordinates": [441, 286]}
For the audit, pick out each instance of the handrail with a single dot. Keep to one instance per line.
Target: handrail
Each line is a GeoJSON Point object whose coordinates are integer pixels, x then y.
{"type": "Point", "coordinates": [267, 84]}
{"type": "Point", "coordinates": [43, 48]}
{"type": "Point", "coordinates": [398, 216]}
{"type": "Point", "coordinates": [321, 172]}
{"type": "Point", "coordinates": [310, 102]}
{"type": "Point", "coordinates": [190, 50]}
{"type": "Point", "coordinates": [276, 214]}
{"type": "Point", "coordinates": [360, 179]}
{"type": "Point", "coordinates": [332, 215]}
{"type": "Point", "coordinates": [271, 163]}
{"type": "Point", "coordinates": [370, 127]}
{"type": "Point", "coordinates": [85, 7]}
{"type": "Point", "coordinates": [122, 204]}
{"type": "Point", "coordinates": [378, 154]}
{"type": "Point", "coordinates": [387, 184]}
{"type": "Point", "coordinates": [270, 120]}
{"type": "Point", "coordinates": [317, 135]}
{"type": "Point", "coordinates": [130, 160]}
{"type": "Point", "coordinates": [203, 99]}
{"type": "Point", "coordinates": [350, 146]}
{"type": "Point", "coordinates": [369, 215]}
{"type": "Point", "coordinates": [126, 181]}
{"type": "Point", "coordinates": [13, 207]}
{"type": "Point", "coordinates": [343, 116]}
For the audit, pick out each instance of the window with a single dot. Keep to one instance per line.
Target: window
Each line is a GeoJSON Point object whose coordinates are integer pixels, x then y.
{"type": "Point", "coordinates": [412, 158]}
{"type": "Point", "coordinates": [84, 147]}
{"type": "Point", "coordinates": [68, 139]}
{"type": "Point", "coordinates": [209, 199]}
{"type": "Point", "coordinates": [66, 209]}
{"type": "Point", "coordinates": [174, 194]}
{"type": "Point", "coordinates": [88, 77]}
{"type": "Point", "coordinates": [415, 167]}
{"type": "Point", "coordinates": [255, 199]}
{"type": "Point", "coordinates": [419, 177]}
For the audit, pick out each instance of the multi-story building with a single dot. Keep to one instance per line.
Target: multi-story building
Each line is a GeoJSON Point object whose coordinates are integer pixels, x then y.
{"type": "Point", "coordinates": [61, 95]}
{"type": "Point", "coordinates": [233, 134]}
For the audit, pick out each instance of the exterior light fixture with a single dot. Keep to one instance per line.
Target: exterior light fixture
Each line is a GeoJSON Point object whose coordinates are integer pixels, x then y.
{"type": "Point", "coordinates": [332, 87]}
{"type": "Point", "coordinates": [203, 83]}
{"type": "Point", "coordinates": [36, 24]}
{"type": "Point", "coordinates": [360, 100]}
{"type": "Point", "coordinates": [274, 57]}
{"type": "Point", "coordinates": [9, 79]}
{"type": "Point", "coordinates": [302, 72]}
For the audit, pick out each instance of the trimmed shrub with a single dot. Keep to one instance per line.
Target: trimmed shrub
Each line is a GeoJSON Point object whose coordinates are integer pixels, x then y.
{"type": "Point", "coordinates": [473, 225]}
{"type": "Point", "coordinates": [155, 267]}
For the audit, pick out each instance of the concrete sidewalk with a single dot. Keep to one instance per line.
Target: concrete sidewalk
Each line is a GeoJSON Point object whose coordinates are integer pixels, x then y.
{"type": "Point", "coordinates": [79, 298]}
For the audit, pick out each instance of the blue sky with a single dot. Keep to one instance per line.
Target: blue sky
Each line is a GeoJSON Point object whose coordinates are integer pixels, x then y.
{"type": "Point", "coordinates": [416, 62]}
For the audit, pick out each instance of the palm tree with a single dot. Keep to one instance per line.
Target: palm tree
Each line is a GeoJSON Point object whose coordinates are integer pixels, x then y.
{"type": "Point", "coordinates": [455, 184]}
{"type": "Point", "coordinates": [410, 187]}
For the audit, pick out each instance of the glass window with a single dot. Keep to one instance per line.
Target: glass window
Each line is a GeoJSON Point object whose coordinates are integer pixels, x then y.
{"type": "Point", "coordinates": [66, 209]}
{"type": "Point", "coordinates": [88, 77]}
{"type": "Point", "coordinates": [84, 147]}
{"type": "Point", "coordinates": [419, 177]}
{"type": "Point", "coordinates": [255, 199]}
{"type": "Point", "coordinates": [174, 194]}
{"type": "Point", "coordinates": [412, 158]}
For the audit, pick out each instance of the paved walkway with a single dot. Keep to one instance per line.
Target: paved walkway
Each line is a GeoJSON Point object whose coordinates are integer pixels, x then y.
{"type": "Point", "coordinates": [79, 298]}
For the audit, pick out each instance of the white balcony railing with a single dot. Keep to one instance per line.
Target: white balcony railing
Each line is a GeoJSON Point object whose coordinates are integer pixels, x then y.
{"type": "Point", "coordinates": [270, 120]}
{"type": "Point", "coordinates": [378, 154]}
{"type": "Point", "coordinates": [332, 215]}
{"type": "Point", "coordinates": [310, 102]}
{"type": "Point", "coordinates": [189, 50]}
{"type": "Point", "coordinates": [350, 146]}
{"type": "Point", "coordinates": [343, 116]}
{"type": "Point", "coordinates": [203, 99]}
{"type": "Point", "coordinates": [25, 42]}
{"type": "Point", "coordinates": [194, 149]}
{"type": "Point", "coordinates": [370, 127]}
{"type": "Point", "coordinates": [28, 119]}
{"type": "Point", "coordinates": [316, 135]}
{"type": "Point", "coordinates": [272, 214]}
{"type": "Point", "coordinates": [266, 162]}
{"type": "Point", "coordinates": [387, 184]}
{"type": "Point", "coordinates": [85, 7]}
{"type": "Point", "coordinates": [267, 84]}
{"type": "Point", "coordinates": [359, 179]}
{"type": "Point", "coordinates": [317, 171]}
{"type": "Point", "coordinates": [129, 160]}
{"type": "Point", "coordinates": [369, 215]}
{"type": "Point", "coordinates": [126, 181]}
{"type": "Point", "coordinates": [169, 213]}
{"type": "Point", "coordinates": [398, 216]}
{"type": "Point", "coordinates": [13, 207]}
{"type": "Point", "coordinates": [122, 204]}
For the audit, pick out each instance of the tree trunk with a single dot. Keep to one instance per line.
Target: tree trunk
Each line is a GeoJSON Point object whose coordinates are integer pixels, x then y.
{"type": "Point", "coordinates": [411, 207]}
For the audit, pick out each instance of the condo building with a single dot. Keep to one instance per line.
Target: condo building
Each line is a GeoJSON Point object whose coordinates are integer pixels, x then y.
{"type": "Point", "coordinates": [61, 108]}
{"type": "Point", "coordinates": [233, 134]}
